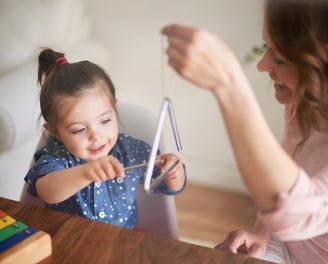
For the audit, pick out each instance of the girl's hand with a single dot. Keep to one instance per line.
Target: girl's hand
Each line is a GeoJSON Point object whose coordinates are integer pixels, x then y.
{"type": "Point", "coordinates": [176, 177]}
{"type": "Point", "coordinates": [103, 169]}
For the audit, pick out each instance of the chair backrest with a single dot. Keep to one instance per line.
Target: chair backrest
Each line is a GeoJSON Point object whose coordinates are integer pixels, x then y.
{"type": "Point", "coordinates": [156, 212]}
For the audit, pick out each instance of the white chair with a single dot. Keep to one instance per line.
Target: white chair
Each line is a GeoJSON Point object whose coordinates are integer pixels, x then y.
{"type": "Point", "coordinates": [157, 212]}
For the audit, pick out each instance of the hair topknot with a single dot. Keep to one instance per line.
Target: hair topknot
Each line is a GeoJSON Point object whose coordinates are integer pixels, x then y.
{"type": "Point", "coordinates": [47, 61]}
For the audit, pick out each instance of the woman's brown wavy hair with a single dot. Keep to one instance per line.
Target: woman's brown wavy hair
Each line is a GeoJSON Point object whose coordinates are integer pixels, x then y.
{"type": "Point", "coordinates": [299, 31]}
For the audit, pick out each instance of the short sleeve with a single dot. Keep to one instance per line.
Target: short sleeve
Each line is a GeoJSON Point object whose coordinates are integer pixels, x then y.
{"type": "Point", "coordinates": [300, 214]}
{"type": "Point", "coordinates": [43, 166]}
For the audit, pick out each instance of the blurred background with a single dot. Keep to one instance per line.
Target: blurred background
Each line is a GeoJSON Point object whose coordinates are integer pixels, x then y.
{"type": "Point", "coordinates": [124, 38]}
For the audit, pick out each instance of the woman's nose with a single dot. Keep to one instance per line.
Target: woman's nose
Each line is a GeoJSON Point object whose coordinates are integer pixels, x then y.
{"type": "Point", "coordinates": [264, 63]}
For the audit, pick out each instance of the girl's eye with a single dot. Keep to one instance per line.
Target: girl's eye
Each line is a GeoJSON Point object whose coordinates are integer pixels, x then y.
{"type": "Point", "coordinates": [79, 131]}
{"type": "Point", "coordinates": [106, 121]}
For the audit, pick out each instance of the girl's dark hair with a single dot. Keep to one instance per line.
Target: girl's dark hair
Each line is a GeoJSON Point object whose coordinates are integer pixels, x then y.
{"type": "Point", "coordinates": [298, 29]}
{"type": "Point", "coordinates": [59, 78]}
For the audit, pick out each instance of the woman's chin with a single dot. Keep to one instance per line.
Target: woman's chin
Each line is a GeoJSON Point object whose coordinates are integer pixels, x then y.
{"type": "Point", "coordinates": [284, 96]}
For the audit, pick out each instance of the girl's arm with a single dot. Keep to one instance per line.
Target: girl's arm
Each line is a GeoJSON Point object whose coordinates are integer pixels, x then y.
{"type": "Point", "coordinates": [58, 186]}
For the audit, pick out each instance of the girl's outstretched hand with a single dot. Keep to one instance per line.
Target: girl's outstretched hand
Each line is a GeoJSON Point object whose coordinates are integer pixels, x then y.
{"type": "Point", "coordinates": [103, 169]}
{"type": "Point", "coordinates": [176, 177]}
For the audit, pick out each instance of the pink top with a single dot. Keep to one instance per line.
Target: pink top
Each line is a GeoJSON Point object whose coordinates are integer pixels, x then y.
{"type": "Point", "coordinates": [301, 217]}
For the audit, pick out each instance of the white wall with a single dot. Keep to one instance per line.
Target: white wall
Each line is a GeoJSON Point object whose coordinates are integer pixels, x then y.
{"type": "Point", "coordinates": [130, 33]}
{"type": "Point", "coordinates": [130, 30]}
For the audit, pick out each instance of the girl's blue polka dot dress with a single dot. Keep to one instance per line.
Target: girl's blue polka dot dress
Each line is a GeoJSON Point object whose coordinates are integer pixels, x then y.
{"type": "Point", "coordinates": [112, 201]}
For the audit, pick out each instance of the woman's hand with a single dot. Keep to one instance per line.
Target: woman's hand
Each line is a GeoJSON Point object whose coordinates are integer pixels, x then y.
{"type": "Point", "coordinates": [176, 177]}
{"type": "Point", "coordinates": [250, 243]}
{"type": "Point", "coordinates": [200, 56]}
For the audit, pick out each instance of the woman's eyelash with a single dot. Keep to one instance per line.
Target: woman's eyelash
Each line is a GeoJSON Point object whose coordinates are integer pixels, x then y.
{"type": "Point", "coordinates": [278, 61]}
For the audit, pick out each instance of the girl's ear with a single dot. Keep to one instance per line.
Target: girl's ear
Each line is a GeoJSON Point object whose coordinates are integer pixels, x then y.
{"type": "Point", "coordinates": [46, 127]}
{"type": "Point", "coordinates": [50, 131]}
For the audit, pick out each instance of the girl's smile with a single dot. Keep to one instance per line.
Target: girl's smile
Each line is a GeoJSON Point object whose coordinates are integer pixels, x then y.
{"type": "Point", "coordinates": [98, 149]}
{"type": "Point", "coordinates": [88, 123]}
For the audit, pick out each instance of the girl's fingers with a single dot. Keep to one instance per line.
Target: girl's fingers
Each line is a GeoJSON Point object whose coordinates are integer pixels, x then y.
{"type": "Point", "coordinates": [118, 169]}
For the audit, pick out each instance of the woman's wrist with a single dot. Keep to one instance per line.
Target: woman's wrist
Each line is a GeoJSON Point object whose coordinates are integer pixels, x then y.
{"type": "Point", "coordinates": [235, 90]}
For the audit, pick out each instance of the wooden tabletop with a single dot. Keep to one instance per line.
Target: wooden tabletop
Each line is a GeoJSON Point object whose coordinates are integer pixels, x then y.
{"type": "Point", "coordinates": [79, 240]}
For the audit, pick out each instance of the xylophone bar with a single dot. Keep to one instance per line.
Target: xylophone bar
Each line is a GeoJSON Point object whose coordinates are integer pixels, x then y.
{"type": "Point", "coordinates": [20, 243]}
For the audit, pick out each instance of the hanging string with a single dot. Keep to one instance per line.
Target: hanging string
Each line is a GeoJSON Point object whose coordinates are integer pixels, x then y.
{"type": "Point", "coordinates": [163, 63]}
{"type": "Point", "coordinates": [167, 85]}
{"type": "Point", "coordinates": [167, 82]}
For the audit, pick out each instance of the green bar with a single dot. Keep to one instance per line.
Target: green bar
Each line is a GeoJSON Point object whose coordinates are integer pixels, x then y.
{"type": "Point", "coordinates": [11, 230]}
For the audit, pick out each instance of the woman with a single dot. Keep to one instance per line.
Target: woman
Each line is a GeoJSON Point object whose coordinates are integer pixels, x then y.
{"type": "Point", "coordinates": [289, 183]}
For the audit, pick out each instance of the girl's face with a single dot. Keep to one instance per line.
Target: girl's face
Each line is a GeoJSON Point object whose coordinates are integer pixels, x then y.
{"type": "Point", "coordinates": [87, 124]}
{"type": "Point", "coordinates": [283, 73]}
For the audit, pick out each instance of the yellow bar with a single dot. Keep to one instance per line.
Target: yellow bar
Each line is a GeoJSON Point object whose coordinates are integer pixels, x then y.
{"type": "Point", "coordinates": [6, 221]}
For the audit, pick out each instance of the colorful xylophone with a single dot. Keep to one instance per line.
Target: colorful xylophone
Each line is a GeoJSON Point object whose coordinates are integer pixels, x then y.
{"type": "Point", "coordinates": [20, 243]}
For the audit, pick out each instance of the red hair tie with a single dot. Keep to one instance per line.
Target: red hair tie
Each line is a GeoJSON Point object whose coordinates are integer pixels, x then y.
{"type": "Point", "coordinates": [61, 61]}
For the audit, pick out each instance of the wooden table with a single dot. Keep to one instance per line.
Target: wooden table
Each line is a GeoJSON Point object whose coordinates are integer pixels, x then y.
{"type": "Point", "coordinates": [79, 240]}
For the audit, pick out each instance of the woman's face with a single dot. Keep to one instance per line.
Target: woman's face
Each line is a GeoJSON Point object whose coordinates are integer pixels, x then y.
{"type": "Point", "coordinates": [283, 73]}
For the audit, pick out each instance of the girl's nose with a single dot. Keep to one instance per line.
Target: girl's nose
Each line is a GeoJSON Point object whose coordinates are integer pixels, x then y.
{"type": "Point", "coordinates": [95, 135]}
